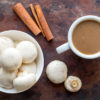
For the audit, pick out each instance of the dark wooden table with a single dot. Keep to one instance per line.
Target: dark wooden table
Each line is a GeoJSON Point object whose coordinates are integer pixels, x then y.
{"type": "Point", "coordinates": [60, 14]}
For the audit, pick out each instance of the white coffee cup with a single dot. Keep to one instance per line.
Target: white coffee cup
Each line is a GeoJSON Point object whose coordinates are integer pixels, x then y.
{"type": "Point", "coordinates": [70, 45]}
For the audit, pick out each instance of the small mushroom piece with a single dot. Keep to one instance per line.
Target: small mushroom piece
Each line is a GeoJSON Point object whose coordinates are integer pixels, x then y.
{"type": "Point", "coordinates": [6, 78]}
{"type": "Point", "coordinates": [56, 71]}
{"type": "Point", "coordinates": [30, 68]}
{"type": "Point", "coordinates": [24, 81]}
{"type": "Point", "coordinates": [73, 84]}
{"type": "Point", "coordinates": [5, 43]}
{"type": "Point", "coordinates": [28, 51]}
{"type": "Point", "coordinates": [11, 59]}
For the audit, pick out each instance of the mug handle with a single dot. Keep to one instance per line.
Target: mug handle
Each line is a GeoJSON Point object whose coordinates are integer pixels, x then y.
{"type": "Point", "coordinates": [62, 48]}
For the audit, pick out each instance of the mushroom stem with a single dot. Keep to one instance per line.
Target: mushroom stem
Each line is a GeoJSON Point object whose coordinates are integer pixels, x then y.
{"type": "Point", "coordinates": [74, 83]}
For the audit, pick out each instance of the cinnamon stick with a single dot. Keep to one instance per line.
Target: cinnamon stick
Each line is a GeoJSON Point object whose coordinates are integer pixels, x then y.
{"type": "Point", "coordinates": [43, 23]}
{"type": "Point", "coordinates": [26, 18]}
{"type": "Point", "coordinates": [36, 18]}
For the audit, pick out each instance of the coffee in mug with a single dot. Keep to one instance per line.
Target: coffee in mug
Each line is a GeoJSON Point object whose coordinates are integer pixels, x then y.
{"type": "Point", "coordinates": [86, 37]}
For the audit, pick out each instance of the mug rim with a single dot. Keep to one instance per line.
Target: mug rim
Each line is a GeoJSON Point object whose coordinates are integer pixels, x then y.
{"type": "Point", "coordinates": [70, 32]}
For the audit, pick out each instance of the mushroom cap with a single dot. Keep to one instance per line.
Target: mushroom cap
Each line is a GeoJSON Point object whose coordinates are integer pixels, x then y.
{"type": "Point", "coordinates": [24, 81]}
{"type": "Point", "coordinates": [30, 68]}
{"type": "Point", "coordinates": [73, 84]}
{"type": "Point", "coordinates": [6, 78]}
{"type": "Point", "coordinates": [11, 59]}
{"type": "Point", "coordinates": [5, 43]}
{"type": "Point", "coordinates": [28, 51]}
{"type": "Point", "coordinates": [56, 71]}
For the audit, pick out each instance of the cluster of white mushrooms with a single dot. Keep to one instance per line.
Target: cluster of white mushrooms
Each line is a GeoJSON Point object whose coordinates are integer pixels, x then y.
{"type": "Point", "coordinates": [17, 64]}
{"type": "Point", "coordinates": [57, 73]}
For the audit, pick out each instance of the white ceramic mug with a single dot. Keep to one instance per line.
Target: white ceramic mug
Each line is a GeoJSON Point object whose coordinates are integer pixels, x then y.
{"type": "Point", "coordinates": [70, 45]}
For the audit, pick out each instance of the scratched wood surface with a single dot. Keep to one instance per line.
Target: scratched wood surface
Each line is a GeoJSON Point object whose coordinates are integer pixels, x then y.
{"type": "Point", "coordinates": [59, 14]}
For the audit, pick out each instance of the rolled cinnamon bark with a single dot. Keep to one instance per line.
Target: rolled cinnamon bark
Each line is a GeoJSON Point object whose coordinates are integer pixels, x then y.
{"type": "Point", "coordinates": [36, 18]}
{"type": "Point", "coordinates": [26, 18]}
{"type": "Point", "coordinates": [43, 23]}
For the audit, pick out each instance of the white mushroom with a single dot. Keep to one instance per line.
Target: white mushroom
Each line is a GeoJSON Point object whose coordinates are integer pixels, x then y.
{"type": "Point", "coordinates": [24, 81]}
{"type": "Point", "coordinates": [56, 71]}
{"type": "Point", "coordinates": [28, 51]}
{"type": "Point", "coordinates": [5, 43]}
{"type": "Point", "coordinates": [30, 68]}
{"type": "Point", "coordinates": [23, 73]}
{"type": "Point", "coordinates": [73, 84]}
{"type": "Point", "coordinates": [11, 59]}
{"type": "Point", "coordinates": [6, 78]}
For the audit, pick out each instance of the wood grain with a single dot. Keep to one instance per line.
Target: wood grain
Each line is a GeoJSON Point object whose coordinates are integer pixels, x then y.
{"type": "Point", "coordinates": [59, 14]}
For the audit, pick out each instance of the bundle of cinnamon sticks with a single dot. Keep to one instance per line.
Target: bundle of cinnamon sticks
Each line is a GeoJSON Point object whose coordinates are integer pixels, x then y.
{"type": "Point", "coordinates": [37, 12]}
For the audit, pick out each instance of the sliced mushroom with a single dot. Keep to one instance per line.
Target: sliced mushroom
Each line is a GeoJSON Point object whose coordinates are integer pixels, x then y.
{"type": "Point", "coordinates": [73, 84]}
{"type": "Point", "coordinates": [56, 71]}
{"type": "Point", "coordinates": [28, 51]}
